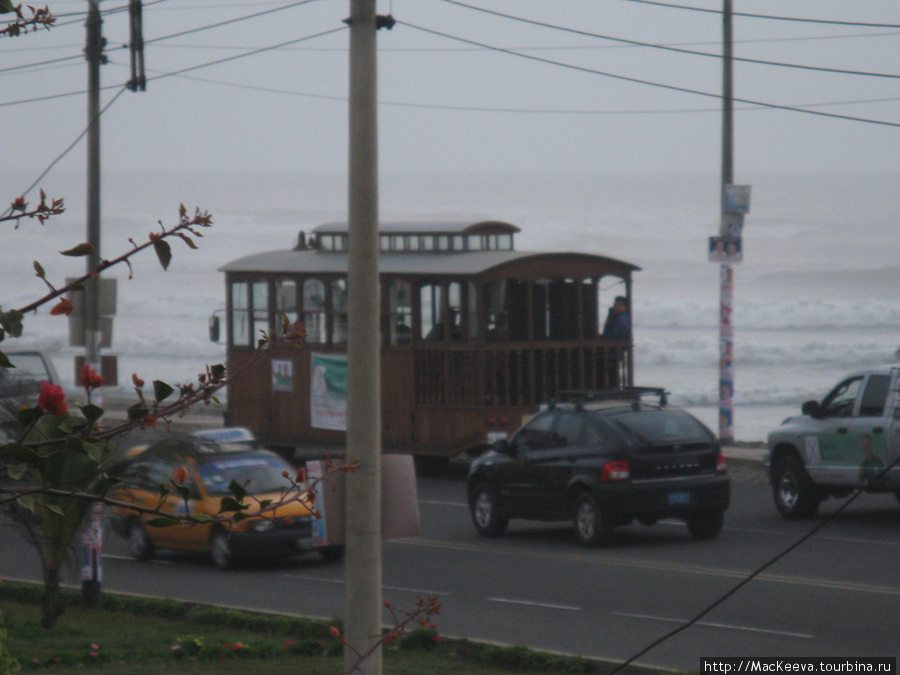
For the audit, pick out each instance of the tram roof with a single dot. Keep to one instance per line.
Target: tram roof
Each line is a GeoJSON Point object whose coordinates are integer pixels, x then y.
{"type": "Point", "coordinates": [426, 227]}
{"type": "Point", "coordinates": [469, 263]}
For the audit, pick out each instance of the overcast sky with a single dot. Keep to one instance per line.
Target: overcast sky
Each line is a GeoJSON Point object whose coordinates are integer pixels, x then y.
{"type": "Point", "coordinates": [548, 85]}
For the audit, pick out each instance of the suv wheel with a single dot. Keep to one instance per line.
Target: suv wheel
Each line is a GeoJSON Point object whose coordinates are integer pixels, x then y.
{"type": "Point", "coordinates": [483, 506]}
{"type": "Point", "coordinates": [220, 550]}
{"type": "Point", "coordinates": [592, 527]}
{"type": "Point", "coordinates": [793, 490]}
{"type": "Point", "coordinates": [139, 544]}
{"type": "Point", "coordinates": [706, 525]}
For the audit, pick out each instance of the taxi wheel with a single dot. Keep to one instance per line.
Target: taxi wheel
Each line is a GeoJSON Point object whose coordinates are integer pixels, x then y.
{"type": "Point", "coordinates": [139, 544]}
{"type": "Point", "coordinates": [220, 550]}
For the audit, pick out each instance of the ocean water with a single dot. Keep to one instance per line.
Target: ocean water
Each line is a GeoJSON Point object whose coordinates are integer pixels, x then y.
{"type": "Point", "coordinates": [815, 297]}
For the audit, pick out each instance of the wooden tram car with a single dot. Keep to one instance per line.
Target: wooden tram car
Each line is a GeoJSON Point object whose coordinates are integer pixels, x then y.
{"type": "Point", "coordinates": [475, 335]}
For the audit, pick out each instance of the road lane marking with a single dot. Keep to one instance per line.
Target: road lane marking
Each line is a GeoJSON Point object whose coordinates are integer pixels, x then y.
{"type": "Point", "coordinates": [631, 563]}
{"type": "Point", "coordinates": [341, 582]}
{"type": "Point", "coordinates": [712, 624]}
{"type": "Point", "coordinates": [530, 603]}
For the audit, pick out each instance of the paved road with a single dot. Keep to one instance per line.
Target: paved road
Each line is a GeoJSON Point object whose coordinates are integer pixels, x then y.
{"type": "Point", "coordinates": [836, 595]}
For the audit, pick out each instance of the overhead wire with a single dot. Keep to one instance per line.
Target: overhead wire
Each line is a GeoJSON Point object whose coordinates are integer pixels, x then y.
{"type": "Point", "coordinates": [636, 80]}
{"type": "Point", "coordinates": [830, 22]}
{"type": "Point", "coordinates": [680, 50]}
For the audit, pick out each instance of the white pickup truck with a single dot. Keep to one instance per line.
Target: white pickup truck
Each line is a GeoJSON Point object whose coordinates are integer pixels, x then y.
{"type": "Point", "coordinates": [848, 441]}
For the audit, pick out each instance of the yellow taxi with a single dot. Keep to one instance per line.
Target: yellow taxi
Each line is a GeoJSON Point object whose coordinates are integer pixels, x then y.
{"type": "Point", "coordinates": [204, 471]}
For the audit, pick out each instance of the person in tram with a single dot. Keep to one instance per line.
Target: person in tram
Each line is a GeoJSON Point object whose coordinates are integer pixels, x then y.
{"type": "Point", "coordinates": [618, 323]}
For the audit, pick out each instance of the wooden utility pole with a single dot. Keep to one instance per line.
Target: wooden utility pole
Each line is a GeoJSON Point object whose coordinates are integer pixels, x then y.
{"type": "Point", "coordinates": [363, 613]}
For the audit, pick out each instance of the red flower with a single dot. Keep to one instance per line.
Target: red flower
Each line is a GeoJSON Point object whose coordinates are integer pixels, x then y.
{"type": "Point", "coordinates": [138, 382]}
{"type": "Point", "coordinates": [148, 421]}
{"type": "Point", "coordinates": [52, 399]}
{"type": "Point", "coordinates": [181, 475]}
{"type": "Point", "coordinates": [62, 307]}
{"type": "Point", "coordinates": [90, 379]}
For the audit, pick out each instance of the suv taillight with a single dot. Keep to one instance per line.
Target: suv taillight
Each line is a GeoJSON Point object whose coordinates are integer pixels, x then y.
{"type": "Point", "coordinates": [721, 464]}
{"type": "Point", "coordinates": [617, 470]}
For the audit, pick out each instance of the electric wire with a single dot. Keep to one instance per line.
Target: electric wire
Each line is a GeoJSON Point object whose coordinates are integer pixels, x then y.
{"type": "Point", "coordinates": [680, 50]}
{"type": "Point", "coordinates": [755, 573]}
{"type": "Point", "coordinates": [635, 80]}
{"type": "Point", "coordinates": [830, 22]}
{"type": "Point", "coordinates": [65, 152]}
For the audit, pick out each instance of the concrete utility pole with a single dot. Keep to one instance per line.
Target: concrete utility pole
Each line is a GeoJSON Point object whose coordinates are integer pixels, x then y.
{"type": "Point", "coordinates": [363, 613]}
{"type": "Point", "coordinates": [726, 272]}
{"type": "Point", "coordinates": [94, 54]}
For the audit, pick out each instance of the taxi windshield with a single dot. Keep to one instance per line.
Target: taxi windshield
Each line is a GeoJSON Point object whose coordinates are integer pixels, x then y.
{"type": "Point", "coordinates": [258, 473]}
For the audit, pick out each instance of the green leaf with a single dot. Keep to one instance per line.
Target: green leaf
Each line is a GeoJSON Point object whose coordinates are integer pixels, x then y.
{"type": "Point", "coordinates": [26, 502]}
{"type": "Point", "coordinates": [163, 252]}
{"type": "Point", "coordinates": [237, 490]}
{"type": "Point", "coordinates": [161, 391]}
{"type": "Point", "coordinates": [17, 471]}
{"type": "Point", "coordinates": [137, 412]}
{"type": "Point", "coordinates": [182, 490]}
{"type": "Point", "coordinates": [6, 7]}
{"type": "Point", "coordinates": [28, 416]}
{"type": "Point", "coordinates": [79, 251]}
{"type": "Point", "coordinates": [230, 504]}
{"type": "Point", "coordinates": [162, 521]}
{"type": "Point", "coordinates": [53, 508]}
{"type": "Point", "coordinates": [37, 266]}
{"type": "Point", "coordinates": [12, 322]}
{"type": "Point", "coordinates": [4, 360]}
{"type": "Point", "coordinates": [202, 518]}
{"type": "Point", "coordinates": [91, 412]}
{"type": "Point", "coordinates": [21, 454]}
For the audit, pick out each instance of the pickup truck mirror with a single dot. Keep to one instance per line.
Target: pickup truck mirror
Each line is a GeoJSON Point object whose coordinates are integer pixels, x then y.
{"type": "Point", "coordinates": [811, 408]}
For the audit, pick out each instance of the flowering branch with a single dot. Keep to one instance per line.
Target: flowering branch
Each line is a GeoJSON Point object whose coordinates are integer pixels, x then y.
{"type": "Point", "coordinates": [40, 17]}
{"type": "Point", "coordinates": [426, 609]}
{"type": "Point", "coordinates": [42, 212]}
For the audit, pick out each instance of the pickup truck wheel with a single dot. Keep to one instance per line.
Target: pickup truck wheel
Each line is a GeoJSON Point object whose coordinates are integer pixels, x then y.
{"type": "Point", "coordinates": [139, 545]}
{"type": "Point", "coordinates": [706, 525]}
{"type": "Point", "coordinates": [485, 517]}
{"type": "Point", "coordinates": [793, 490]}
{"type": "Point", "coordinates": [592, 526]}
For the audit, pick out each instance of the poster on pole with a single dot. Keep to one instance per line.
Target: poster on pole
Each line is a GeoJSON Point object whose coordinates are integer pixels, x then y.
{"type": "Point", "coordinates": [328, 391]}
{"type": "Point", "coordinates": [726, 249]}
{"type": "Point", "coordinates": [282, 375]}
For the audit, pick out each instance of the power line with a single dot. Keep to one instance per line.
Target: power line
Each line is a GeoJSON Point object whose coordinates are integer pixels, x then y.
{"type": "Point", "coordinates": [680, 50]}
{"type": "Point", "coordinates": [635, 80]}
{"type": "Point", "coordinates": [829, 22]}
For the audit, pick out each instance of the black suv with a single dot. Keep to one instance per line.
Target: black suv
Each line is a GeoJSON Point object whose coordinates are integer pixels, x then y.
{"type": "Point", "coordinates": [603, 459]}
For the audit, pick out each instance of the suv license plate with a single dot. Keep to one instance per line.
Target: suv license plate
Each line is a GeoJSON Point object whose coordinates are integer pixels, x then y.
{"type": "Point", "coordinates": [679, 498]}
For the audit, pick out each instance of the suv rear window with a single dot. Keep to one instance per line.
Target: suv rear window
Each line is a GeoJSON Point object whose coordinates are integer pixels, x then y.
{"type": "Point", "coordinates": [660, 426]}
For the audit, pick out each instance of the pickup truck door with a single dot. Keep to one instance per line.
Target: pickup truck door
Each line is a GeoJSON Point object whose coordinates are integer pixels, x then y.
{"type": "Point", "coordinates": [850, 448]}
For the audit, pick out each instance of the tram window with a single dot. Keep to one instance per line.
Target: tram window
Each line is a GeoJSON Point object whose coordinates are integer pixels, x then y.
{"type": "Point", "coordinates": [455, 302]}
{"type": "Point", "coordinates": [314, 310]}
{"type": "Point", "coordinates": [240, 313]}
{"type": "Point", "coordinates": [385, 241]}
{"type": "Point", "coordinates": [431, 305]}
{"type": "Point", "coordinates": [473, 322]}
{"type": "Point", "coordinates": [475, 242]}
{"type": "Point", "coordinates": [285, 302]}
{"type": "Point", "coordinates": [413, 243]}
{"type": "Point", "coordinates": [339, 311]}
{"type": "Point", "coordinates": [260, 309]}
{"type": "Point", "coordinates": [458, 242]}
{"type": "Point", "coordinates": [400, 312]}
{"type": "Point", "coordinates": [428, 243]}
{"type": "Point", "coordinates": [443, 242]}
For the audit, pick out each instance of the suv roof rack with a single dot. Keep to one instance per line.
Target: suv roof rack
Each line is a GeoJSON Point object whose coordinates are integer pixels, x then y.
{"type": "Point", "coordinates": [621, 394]}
